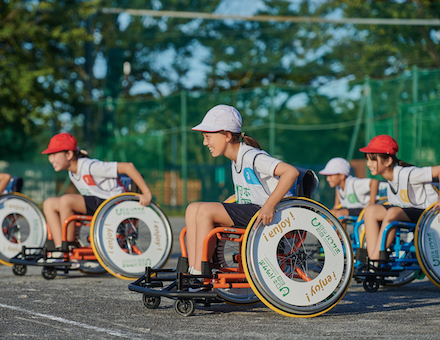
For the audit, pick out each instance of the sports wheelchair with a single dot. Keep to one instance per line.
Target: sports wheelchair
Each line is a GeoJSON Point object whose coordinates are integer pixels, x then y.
{"type": "Point", "coordinates": [22, 222]}
{"type": "Point", "coordinates": [299, 266]}
{"type": "Point", "coordinates": [413, 254]}
{"type": "Point", "coordinates": [121, 238]}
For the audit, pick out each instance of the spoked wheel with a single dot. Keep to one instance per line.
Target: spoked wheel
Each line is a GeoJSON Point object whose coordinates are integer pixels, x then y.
{"type": "Point", "coordinates": [89, 267]}
{"type": "Point", "coordinates": [427, 242]}
{"type": "Point", "coordinates": [126, 237]}
{"type": "Point", "coordinates": [184, 307]}
{"type": "Point", "coordinates": [228, 256]}
{"type": "Point", "coordinates": [19, 269]}
{"type": "Point", "coordinates": [49, 273]}
{"type": "Point", "coordinates": [371, 284]}
{"type": "Point", "coordinates": [151, 302]}
{"type": "Point", "coordinates": [300, 265]}
{"type": "Point", "coordinates": [22, 224]}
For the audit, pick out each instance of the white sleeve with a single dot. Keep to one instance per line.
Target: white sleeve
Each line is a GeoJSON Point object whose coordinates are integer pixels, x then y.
{"type": "Point", "coordinates": [361, 186]}
{"type": "Point", "coordinates": [104, 169]}
{"type": "Point", "coordinates": [266, 164]}
{"type": "Point", "coordinates": [421, 175]}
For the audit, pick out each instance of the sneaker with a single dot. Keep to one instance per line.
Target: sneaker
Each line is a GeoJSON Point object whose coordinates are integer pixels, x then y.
{"type": "Point", "coordinates": [195, 281]}
{"type": "Point", "coordinates": [75, 264]}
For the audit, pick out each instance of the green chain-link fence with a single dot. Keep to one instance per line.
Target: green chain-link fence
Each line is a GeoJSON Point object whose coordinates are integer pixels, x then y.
{"type": "Point", "coordinates": [304, 126]}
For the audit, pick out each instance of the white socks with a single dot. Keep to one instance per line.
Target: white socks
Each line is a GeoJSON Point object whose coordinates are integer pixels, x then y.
{"type": "Point", "coordinates": [191, 271]}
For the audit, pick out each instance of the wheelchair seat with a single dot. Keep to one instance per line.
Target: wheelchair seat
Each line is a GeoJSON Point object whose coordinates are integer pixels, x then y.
{"type": "Point", "coordinates": [15, 185]}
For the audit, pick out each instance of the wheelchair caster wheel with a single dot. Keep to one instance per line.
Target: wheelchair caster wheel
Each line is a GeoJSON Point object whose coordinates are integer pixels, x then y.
{"type": "Point", "coordinates": [371, 285]}
{"type": "Point", "coordinates": [49, 273]}
{"type": "Point", "coordinates": [184, 307]}
{"type": "Point", "coordinates": [151, 302]}
{"type": "Point", "coordinates": [19, 269]}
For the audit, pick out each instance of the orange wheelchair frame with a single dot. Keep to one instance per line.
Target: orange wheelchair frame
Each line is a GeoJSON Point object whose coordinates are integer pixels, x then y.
{"type": "Point", "coordinates": [129, 225]}
{"type": "Point", "coordinates": [289, 283]}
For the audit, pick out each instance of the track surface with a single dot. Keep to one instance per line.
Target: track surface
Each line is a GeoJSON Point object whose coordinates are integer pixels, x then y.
{"type": "Point", "coordinates": [77, 306]}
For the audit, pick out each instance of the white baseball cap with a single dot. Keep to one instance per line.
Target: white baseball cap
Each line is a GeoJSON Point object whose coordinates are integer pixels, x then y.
{"type": "Point", "coordinates": [220, 118]}
{"type": "Point", "coordinates": [336, 166]}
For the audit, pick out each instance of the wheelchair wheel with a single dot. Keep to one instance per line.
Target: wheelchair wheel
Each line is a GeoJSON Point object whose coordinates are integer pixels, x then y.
{"type": "Point", "coordinates": [226, 253]}
{"type": "Point", "coordinates": [427, 242]}
{"type": "Point", "coordinates": [22, 224]}
{"type": "Point", "coordinates": [184, 307]}
{"type": "Point", "coordinates": [126, 237]}
{"type": "Point", "coordinates": [301, 264]}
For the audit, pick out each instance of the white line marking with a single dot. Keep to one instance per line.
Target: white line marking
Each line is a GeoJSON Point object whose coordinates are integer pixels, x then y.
{"type": "Point", "coordinates": [70, 322]}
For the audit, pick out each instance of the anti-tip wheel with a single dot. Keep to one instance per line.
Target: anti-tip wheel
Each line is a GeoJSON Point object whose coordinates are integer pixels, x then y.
{"type": "Point", "coordinates": [151, 302]}
{"type": "Point", "coordinates": [49, 273]}
{"type": "Point", "coordinates": [184, 307]}
{"type": "Point", "coordinates": [19, 269]}
{"type": "Point", "coordinates": [371, 284]}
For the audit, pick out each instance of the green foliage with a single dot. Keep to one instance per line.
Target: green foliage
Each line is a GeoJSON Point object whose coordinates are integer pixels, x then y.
{"type": "Point", "coordinates": [41, 70]}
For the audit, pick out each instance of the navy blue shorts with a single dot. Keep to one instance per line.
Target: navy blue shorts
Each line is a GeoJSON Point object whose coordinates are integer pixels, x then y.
{"type": "Point", "coordinates": [412, 213]}
{"type": "Point", "coordinates": [354, 211]}
{"type": "Point", "coordinates": [92, 203]}
{"type": "Point", "coordinates": [241, 214]}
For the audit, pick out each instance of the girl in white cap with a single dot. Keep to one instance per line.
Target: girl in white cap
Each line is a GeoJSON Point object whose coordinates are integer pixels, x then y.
{"type": "Point", "coordinates": [95, 180]}
{"type": "Point", "coordinates": [260, 181]}
{"type": "Point", "coordinates": [352, 194]}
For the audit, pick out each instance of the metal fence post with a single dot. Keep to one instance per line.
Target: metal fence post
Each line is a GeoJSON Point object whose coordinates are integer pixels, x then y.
{"type": "Point", "coordinates": [272, 121]}
{"type": "Point", "coordinates": [183, 123]}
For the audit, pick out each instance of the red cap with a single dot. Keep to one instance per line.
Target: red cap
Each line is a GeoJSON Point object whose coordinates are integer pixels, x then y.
{"type": "Point", "coordinates": [61, 142]}
{"type": "Point", "coordinates": [381, 144]}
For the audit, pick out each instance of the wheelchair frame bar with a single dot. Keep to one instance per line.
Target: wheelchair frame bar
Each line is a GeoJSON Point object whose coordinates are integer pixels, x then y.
{"type": "Point", "coordinates": [393, 225]}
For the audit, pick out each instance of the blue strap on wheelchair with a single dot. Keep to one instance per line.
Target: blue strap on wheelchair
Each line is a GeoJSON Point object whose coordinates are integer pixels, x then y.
{"type": "Point", "coordinates": [14, 185]}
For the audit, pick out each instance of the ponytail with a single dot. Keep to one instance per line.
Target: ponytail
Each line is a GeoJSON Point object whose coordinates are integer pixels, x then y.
{"type": "Point", "coordinates": [384, 156]}
{"type": "Point", "coordinates": [80, 154]}
{"type": "Point", "coordinates": [248, 140]}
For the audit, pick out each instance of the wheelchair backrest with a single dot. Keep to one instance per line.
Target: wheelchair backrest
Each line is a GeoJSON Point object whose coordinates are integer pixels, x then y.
{"type": "Point", "coordinates": [306, 183]}
{"type": "Point", "coordinates": [128, 183]}
{"type": "Point", "coordinates": [14, 185]}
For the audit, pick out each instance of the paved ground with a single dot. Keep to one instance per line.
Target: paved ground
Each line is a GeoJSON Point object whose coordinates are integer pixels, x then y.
{"type": "Point", "coordinates": [78, 306]}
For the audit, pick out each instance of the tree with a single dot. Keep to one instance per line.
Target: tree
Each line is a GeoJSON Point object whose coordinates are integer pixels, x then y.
{"type": "Point", "coordinates": [41, 70]}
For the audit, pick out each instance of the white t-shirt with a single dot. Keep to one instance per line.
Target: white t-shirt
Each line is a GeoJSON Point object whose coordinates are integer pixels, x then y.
{"type": "Point", "coordinates": [253, 175]}
{"type": "Point", "coordinates": [97, 178]}
{"type": "Point", "coordinates": [356, 193]}
{"type": "Point", "coordinates": [411, 187]}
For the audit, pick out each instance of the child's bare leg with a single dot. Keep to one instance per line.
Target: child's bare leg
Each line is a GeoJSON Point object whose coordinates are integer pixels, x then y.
{"type": "Point", "coordinates": [71, 204]}
{"type": "Point", "coordinates": [340, 212]}
{"type": "Point", "coordinates": [393, 214]}
{"type": "Point", "coordinates": [51, 208]}
{"type": "Point", "coordinates": [372, 216]}
{"type": "Point", "coordinates": [209, 215]}
{"type": "Point", "coordinates": [191, 227]}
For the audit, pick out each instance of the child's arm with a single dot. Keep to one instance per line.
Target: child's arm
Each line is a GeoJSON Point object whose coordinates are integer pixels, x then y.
{"type": "Point", "coordinates": [288, 175]}
{"type": "Point", "coordinates": [232, 197]}
{"type": "Point", "coordinates": [337, 202]}
{"type": "Point", "coordinates": [4, 181]}
{"type": "Point", "coordinates": [374, 188]}
{"type": "Point", "coordinates": [436, 173]}
{"type": "Point", "coordinates": [130, 170]}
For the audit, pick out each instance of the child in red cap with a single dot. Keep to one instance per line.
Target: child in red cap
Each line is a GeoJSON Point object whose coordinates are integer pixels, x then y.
{"type": "Point", "coordinates": [95, 180]}
{"type": "Point", "coordinates": [409, 191]}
